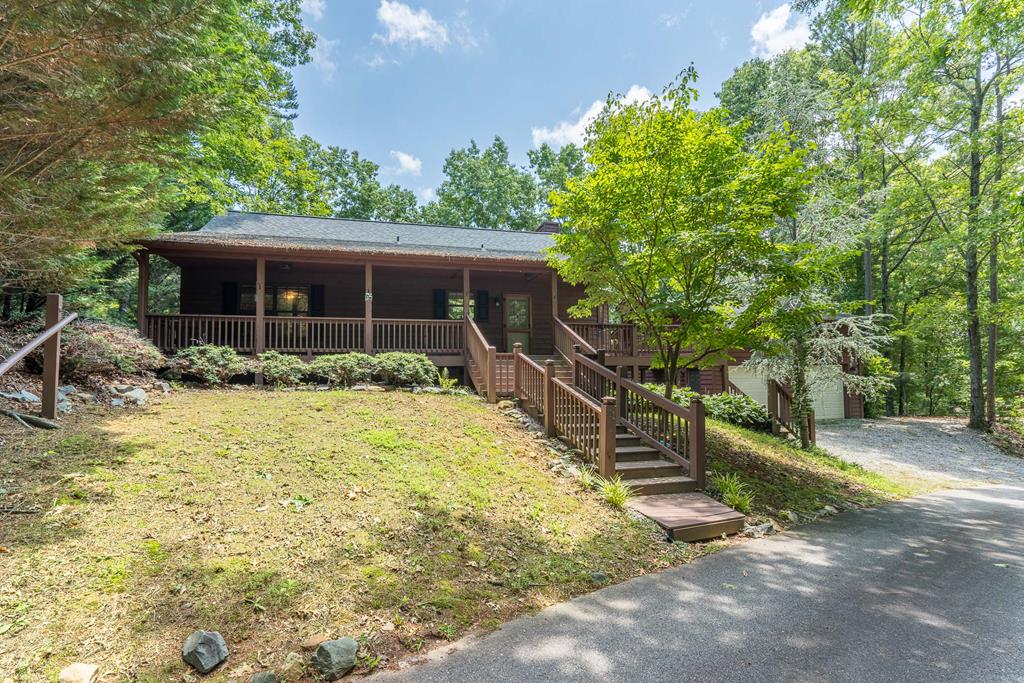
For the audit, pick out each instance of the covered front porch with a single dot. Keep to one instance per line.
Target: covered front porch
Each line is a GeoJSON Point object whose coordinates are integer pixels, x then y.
{"type": "Point", "coordinates": [308, 306]}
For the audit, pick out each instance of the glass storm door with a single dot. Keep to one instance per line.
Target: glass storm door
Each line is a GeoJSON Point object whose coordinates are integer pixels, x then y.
{"type": "Point", "coordinates": [517, 321]}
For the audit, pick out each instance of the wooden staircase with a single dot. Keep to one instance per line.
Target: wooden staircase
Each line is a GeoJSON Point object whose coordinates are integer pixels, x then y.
{"type": "Point", "coordinates": [645, 469]}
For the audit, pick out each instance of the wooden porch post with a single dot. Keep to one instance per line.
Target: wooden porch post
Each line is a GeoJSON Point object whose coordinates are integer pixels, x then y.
{"type": "Point", "coordinates": [554, 294]}
{"type": "Point", "coordinates": [368, 310]}
{"type": "Point", "coordinates": [517, 349]}
{"type": "Point", "coordinates": [492, 372]}
{"type": "Point", "coordinates": [142, 257]}
{"type": "Point", "coordinates": [606, 438]}
{"type": "Point", "coordinates": [51, 356]}
{"type": "Point", "coordinates": [548, 400]}
{"type": "Point", "coordinates": [465, 293]}
{"type": "Point", "coordinates": [261, 288]}
{"type": "Point", "coordinates": [697, 445]}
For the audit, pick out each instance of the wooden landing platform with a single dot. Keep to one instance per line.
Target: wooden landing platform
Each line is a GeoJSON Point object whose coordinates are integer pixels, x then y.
{"type": "Point", "coordinates": [689, 516]}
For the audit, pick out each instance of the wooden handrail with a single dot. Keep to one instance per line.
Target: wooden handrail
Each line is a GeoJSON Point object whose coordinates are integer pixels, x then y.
{"type": "Point", "coordinates": [573, 339]}
{"type": "Point", "coordinates": [484, 355]}
{"type": "Point", "coordinates": [50, 337]}
{"type": "Point", "coordinates": [36, 342]}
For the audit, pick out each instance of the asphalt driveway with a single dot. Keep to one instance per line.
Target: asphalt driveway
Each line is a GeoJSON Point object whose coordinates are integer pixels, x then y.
{"type": "Point", "coordinates": [929, 589]}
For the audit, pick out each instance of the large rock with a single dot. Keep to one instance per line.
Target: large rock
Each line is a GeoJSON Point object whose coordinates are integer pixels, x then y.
{"type": "Point", "coordinates": [264, 677]}
{"type": "Point", "coordinates": [293, 667]}
{"type": "Point", "coordinates": [204, 650]}
{"type": "Point", "coordinates": [78, 673]}
{"type": "Point", "coordinates": [335, 658]}
{"type": "Point", "coordinates": [136, 395]}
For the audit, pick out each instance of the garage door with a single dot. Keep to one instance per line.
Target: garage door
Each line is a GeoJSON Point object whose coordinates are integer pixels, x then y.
{"type": "Point", "coordinates": [827, 399]}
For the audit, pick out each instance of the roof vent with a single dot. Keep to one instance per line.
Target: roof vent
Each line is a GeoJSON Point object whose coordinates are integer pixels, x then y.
{"type": "Point", "coordinates": [398, 238]}
{"type": "Point", "coordinates": [550, 227]}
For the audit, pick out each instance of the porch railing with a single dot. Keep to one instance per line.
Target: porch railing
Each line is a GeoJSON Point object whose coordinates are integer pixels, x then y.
{"type": "Point", "coordinates": [438, 337]}
{"type": "Point", "coordinates": [314, 335]}
{"type": "Point", "coordinates": [169, 333]}
{"type": "Point", "coordinates": [566, 339]}
{"type": "Point", "coordinates": [617, 339]}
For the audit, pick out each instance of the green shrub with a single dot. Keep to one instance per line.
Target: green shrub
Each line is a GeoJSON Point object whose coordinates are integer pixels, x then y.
{"type": "Point", "coordinates": [445, 381]}
{"type": "Point", "coordinates": [89, 348]}
{"type": "Point", "coordinates": [733, 492]}
{"type": "Point", "coordinates": [343, 369]}
{"type": "Point", "coordinates": [210, 364]}
{"type": "Point", "coordinates": [404, 369]}
{"type": "Point", "coordinates": [615, 491]}
{"type": "Point", "coordinates": [738, 409]}
{"type": "Point", "coordinates": [281, 369]}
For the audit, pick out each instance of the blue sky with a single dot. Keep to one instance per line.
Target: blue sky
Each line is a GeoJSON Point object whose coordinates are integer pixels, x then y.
{"type": "Point", "coordinates": [403, 82]}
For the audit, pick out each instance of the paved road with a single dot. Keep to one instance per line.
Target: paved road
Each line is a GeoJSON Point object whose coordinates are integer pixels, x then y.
{"type": "Point", "coordinates": [940, 450]}
{"type": "Point", "coordinates": [930, 589]}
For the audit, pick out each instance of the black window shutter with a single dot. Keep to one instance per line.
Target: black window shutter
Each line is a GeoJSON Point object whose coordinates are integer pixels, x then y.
{"type": "Point", "coordinates": [483, 309]}
{"type": "Point", "coordinates": [440, 304]}
{"type": "Point", "coordinates": [316, 301]}
{"type": "Point", "coordinates": [229, 298]}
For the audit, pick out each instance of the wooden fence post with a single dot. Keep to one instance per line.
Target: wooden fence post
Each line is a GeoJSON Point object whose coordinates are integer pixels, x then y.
{"type": "Point", "coordinates": [517, 349]}
{"type": "Point", "coordinates": [620, 390]}
{"type": "Point", "coordinates": [548, 394]}
{"type": "Point", "coordinates": [773, 405]}
{"type": "Point", "coordinates": [492, 371]}
{"type": "Point", "coordinates": [606, 438]}
{"type": "Point", "coordinates": [51, 356]}
{"type": "Point", "coordinates": [812, 428]}
{"type": "Point", "coordinates": [697, 443]}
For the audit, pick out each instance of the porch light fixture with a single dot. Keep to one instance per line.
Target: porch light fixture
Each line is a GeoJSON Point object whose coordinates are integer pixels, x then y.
{"type": "Point", "coordinates": [368, 296]}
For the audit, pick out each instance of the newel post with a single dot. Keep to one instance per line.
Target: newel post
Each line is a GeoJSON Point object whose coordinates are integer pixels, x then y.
{"type": "Point", "coordinates": [773, 405]}
{"type": "Point", "coordinates": [51, 356]}
{"type": "Point", "coordinates": [517, 349]}
{"type": "Point", "coordinates": [606, 438]}
{"type": "Point", "coordinates": [620, 387]}
{"type": "Point", "coordinates": [492, 371]}
{"type": "Point", "coordinates": [697, 443]}
{"type": "Point", "coordinates": [549, 397]}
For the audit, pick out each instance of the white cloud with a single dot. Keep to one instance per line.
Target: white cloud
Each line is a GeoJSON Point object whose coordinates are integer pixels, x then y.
{"type": "Point", "coordinates": [670, 20]}
{"type": "Point", "coordinates": [408, 27]}
{"type": "Point", "coordinates": [314, 8]}
{"type": "Point", "coordinates": [323, 56]}
{"type": "Point", "coordinates": [407, 163]}
{"type": "Point", "coordinates": [426, 194]}
{"type": "Point", "coordinates": [565, 132]}
{"type": "Point", "coordinates": [774, 33]}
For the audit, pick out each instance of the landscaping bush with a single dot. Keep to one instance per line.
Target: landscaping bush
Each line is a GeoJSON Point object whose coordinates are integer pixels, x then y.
{"type": "Point", "coordinates": [280, 369]}
{"type": "Point", "coordinates": [737, 409]}
{"type": "Point", "coordinates": [89, 348]}
{"type": "Point", "coordinates": [404, 369]}
{"type": "Point", "coordinates": [210, 364]}
{"type": "Point", "coordinates": [343, 369]}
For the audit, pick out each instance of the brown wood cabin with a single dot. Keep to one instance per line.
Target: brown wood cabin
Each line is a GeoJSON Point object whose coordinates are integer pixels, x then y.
{"type": "Point", "coordinates": [308, 285]}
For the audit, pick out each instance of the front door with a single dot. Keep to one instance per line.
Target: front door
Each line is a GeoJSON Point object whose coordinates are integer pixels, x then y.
{"type": "Point", "coordinates": [518, 321]}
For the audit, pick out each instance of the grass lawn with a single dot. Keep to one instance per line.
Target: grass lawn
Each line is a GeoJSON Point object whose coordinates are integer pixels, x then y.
{"type": "Point", "coordinates": [399, 519]}
{"type": "Point", "coordinates": [402, 520]}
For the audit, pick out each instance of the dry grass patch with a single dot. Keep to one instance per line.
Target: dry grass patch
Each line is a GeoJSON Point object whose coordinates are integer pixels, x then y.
{"type": "Point", "coordinates": [400, 519]}
{"type": "Point", "coordinates": [784, 477]}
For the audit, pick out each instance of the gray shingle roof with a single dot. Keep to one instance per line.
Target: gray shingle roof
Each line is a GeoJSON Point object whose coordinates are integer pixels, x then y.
{"type": "Point", "coordinates": [378, 237]}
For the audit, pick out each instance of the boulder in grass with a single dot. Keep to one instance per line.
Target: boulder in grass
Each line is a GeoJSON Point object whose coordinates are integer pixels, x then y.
{"type": "Point", "coordinates": [204, 651]}
{"type": "Point", "coordinates": [264, 677]}
{"type": "Point", "coordinates": [78, 673]}
{"type": "Point", "coordinates": [335, 658]}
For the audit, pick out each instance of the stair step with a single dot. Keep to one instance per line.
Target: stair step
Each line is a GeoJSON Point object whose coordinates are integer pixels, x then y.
{"type": "Point", "coordinates": [639, 449]}
{"type": "Point", "coordinates": [689, 516]}
{"type": "Point", "coordinates": [646, 469]}
{"type": "Point", "coordinates": [627, 439]}
{"type": "Point", "coordinates": [650, 486]}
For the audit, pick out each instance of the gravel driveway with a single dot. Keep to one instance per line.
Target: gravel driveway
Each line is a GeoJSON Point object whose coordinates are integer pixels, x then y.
{"type": "Point", "coordinates": [939, 450]}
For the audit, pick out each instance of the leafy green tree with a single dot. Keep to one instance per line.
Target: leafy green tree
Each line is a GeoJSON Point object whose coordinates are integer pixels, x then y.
{"type": "Point", "coordinates": [671, 224]}
{"type": "Point", "coordinates": [101, 109]}
{"type": "Point", "coordinates": [483, 189]}
{"type": "Point", "coordinates": [554, 168]}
